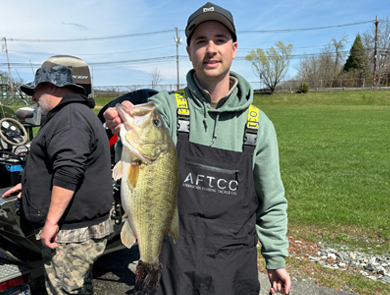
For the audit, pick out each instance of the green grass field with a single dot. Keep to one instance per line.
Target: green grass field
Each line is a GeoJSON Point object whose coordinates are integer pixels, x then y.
{"type": "Point", "coordinates": [335, 163]}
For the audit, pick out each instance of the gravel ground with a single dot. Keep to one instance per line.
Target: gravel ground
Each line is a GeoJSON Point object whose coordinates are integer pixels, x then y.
{"type": "Point", "coordinates": [372, 266]}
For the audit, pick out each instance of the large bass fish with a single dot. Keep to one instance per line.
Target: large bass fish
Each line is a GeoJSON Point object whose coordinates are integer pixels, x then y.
{"type": "Point", "coordinates": [149, 185]}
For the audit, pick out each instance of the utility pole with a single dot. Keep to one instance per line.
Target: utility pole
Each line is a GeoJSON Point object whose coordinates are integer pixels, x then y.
{"type": "Point", "coordinates": [376, 48]}
{"type": "Point", "coordinates": [178, 41]}
{"type": "Point", "coordinates": [9, 67]}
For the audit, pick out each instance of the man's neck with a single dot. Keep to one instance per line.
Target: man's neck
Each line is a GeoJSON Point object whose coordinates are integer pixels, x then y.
{"type": "Point", "coordinates": [217, 89]}
{"type": "Point", "coordinates": [233, 82]}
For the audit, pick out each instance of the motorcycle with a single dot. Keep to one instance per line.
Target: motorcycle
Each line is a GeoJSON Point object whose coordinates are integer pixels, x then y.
{"type": "Point", "coordinates": [21, 265]}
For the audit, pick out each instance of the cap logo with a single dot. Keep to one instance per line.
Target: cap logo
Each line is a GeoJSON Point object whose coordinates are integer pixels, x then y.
{"type": "Point", "coordinates": [80, 77]}
{"type": "Point", "coordinates": [208, 9]}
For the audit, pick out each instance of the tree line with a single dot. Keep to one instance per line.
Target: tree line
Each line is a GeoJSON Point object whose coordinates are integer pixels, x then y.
{"type": "Point", "coordinates": [330, 66]}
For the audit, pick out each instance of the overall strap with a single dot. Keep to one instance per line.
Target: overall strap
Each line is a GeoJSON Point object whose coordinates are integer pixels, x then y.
{"type": "Point", "coordinates": [251, 128]}
{"type": "Point", "coordinates": [183, 115]}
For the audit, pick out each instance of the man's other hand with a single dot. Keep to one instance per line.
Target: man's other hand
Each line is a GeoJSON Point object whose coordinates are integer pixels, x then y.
{"type": "Point", "coordinates": [113, 120]}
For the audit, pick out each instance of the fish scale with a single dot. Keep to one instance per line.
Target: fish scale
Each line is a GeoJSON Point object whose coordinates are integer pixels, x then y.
{"type": "Point", "coordinates": [140, 209]}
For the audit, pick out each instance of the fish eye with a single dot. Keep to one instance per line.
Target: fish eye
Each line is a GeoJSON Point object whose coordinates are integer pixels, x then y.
{"type": "Point", "coordinates": [156, 123]}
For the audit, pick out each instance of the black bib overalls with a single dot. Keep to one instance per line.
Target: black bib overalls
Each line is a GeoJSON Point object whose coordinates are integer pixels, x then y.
{"type": "Point", "coordinates": [216, 251]}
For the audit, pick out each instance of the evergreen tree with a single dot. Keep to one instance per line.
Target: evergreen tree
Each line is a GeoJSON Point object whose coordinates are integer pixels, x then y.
{"type": "Point", "coordinates": [357, 60]}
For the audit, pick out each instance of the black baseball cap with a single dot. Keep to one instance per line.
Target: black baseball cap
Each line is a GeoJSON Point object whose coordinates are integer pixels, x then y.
{"type": "Point", "coordinates": [210, 12]}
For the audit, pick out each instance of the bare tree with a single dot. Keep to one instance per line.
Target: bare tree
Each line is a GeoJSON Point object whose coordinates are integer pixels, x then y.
{"type": "Point", "coordinates": [309, 70]}
{"type": "Point", "coordinates": [271, 66]}
{"type": "Point", "coordinates": [156, 78]}
{"type": "Point", "coordinates": [317, 71]}
{"type": "Point", "coordinates": [338, 47]}
{"type": "Point", "coordinates": [321, 70]}
{"type": "Point", "coordinates": [383, 47]}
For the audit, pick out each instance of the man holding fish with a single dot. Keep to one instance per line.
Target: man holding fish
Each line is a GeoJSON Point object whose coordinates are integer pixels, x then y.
{"type": "Point", "coordinates": [230, 191]}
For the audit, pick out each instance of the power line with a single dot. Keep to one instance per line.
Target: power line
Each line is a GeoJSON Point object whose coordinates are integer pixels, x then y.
{"type": "Point", "coordinates": [144, 60]}
{"type": "Point", "coordinates": [104, 53]}
{"type": "Point", "coordinates": [170, 31]}
{"type": "Point", "coordinates": [154, 60]}
{"type": "Point", "coordinates": [89, 39]}
{"type": "Point", "coordinates": [306, 29]}
{"type": "Point", "coordinates": [295, 48]}
{"type": "Point", "coordinates": [149, 49]}
{"type": "Point", "coordinates": [163, 59]}
{"type": "Point", "coordinates": [19, 64]}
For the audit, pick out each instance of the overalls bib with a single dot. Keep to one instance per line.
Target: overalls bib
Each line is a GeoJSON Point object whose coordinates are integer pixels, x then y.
{"type": "Point", "coordinates": [216, 251]}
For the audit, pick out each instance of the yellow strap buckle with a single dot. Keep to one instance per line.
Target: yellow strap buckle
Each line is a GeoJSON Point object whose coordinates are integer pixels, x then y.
{"type": "Point", "coordinates": [253, 119]}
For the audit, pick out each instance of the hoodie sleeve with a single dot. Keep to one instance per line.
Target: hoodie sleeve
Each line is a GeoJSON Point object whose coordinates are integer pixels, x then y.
{"type": "Point", "coordinates": [271, 225]}
{"type": "Point", "coordinates": [166, 106]}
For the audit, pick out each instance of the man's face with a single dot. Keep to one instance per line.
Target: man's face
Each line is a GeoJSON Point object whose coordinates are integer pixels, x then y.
{"type": "Point", "coordinates": [211, 51]}
{"type": "Point", "coordinates": [42, 98]}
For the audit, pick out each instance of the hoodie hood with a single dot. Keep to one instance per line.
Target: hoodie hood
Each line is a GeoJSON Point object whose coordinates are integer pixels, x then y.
{"type": "Point", "coordinates": [209, 120]}
{"type": "Point", "coordinates": [73, 97]}
{"type": "Point", "coordinates": [70, 98]}
{"type": "Point", "coordinates": [240, 98]}
{"type": "Point", "coordinates": [208, 126]}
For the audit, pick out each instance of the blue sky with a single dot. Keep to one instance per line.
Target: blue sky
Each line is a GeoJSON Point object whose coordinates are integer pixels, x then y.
{"type": "Point", "coordinates": [152, 26]}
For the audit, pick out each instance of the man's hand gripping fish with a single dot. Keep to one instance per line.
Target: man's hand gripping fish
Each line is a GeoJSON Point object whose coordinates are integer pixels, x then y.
{"type": "Point", "coordinates": [149, 173]}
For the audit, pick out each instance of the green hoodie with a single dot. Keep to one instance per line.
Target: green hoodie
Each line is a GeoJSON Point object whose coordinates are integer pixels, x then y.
{"type": "Point", "coordinates": [224, 128]}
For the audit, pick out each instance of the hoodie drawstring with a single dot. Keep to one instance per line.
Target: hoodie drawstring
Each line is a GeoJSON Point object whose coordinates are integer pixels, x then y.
{"type": "Point", "coordinates": [204, 115]}
{"type": "Point", "coordinates": [205, 121]}
{"type": "Point", "coordinates": [215, 128]}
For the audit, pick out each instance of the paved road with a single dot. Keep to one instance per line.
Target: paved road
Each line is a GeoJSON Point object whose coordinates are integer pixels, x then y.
{"type": "Point", "coordinates": [114, 274]}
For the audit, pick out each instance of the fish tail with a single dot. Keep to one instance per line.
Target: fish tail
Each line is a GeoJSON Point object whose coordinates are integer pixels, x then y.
{"type": "Point", "coordinates": [147, 277]}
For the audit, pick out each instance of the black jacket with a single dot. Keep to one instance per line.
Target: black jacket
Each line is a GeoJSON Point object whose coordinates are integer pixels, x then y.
{"type": "Point", "coordinates": [71, 151]}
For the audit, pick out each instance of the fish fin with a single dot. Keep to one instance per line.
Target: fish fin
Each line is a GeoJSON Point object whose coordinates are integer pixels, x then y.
{"type": "Point", "coordinates": [147, 277]}
{"type": "Point", "coordinates": [127, 235]}
{"type": "Point", "coordinates": [133, 175]}
{"type": "Point", "coordinates": [174, 230]}
{"type": "Point", "coordinates": [117, 171]}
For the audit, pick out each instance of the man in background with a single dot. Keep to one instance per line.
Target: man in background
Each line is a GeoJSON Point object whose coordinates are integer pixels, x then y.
{"type": "Point", "coordinates": [66, 188]}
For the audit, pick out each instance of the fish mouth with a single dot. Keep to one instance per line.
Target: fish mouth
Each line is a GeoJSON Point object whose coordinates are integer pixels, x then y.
{"type": "Point", "coordinates": [134, 118]}
{"type": "Point", "coordinates": [135, 115]}
{"type": "Point", "coordinates": [125, 114]}
{"type": "Point", "coordinates": [135, 112]}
